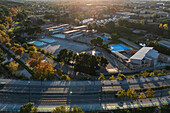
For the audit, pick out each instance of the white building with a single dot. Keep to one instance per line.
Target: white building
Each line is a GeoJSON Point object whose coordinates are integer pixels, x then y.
{"type": "Point", "coordinates": [146, 56]}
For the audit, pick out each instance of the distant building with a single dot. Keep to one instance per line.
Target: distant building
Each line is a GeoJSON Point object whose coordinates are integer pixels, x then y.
{"type": "Point", "coordinates": [73, 33]}
{"type": "Point", "coordinates": [145, 57]}
{"type": "Point", "coordinates": [56, 29]}
{"type": "Point", "coordinates": [83, 27]}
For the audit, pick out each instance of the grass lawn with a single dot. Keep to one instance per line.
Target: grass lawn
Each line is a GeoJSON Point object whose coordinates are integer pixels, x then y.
{"type": "Point", "coordinates": [134, 37]}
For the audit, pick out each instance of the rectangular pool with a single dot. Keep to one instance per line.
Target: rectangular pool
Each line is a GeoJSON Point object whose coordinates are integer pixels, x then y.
{"type": "Point", "coordinates": [37, 43]}
{"type": "Point", "coordinates": [48, 40]}
{"type": "Point", "coordinates": [59, 35]}
{"type": "Point", "coordinates": [105, 39]}
{"type": "Point", "coordinates": [118, 47]}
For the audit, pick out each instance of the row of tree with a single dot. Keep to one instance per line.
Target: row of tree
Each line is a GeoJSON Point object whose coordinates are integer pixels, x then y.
{"type": "Point", "coordinates": [132, 94]}
{"type": "Point", "coordinates": [29, 108]}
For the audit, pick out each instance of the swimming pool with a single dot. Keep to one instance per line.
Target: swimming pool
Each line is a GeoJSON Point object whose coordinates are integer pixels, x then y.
{"type": "Point", "coordinates": [37, 43]}
{"type": "Point", "coordinates": [118, 47]}
{"type": "Point", "coordinates": [105, 39]}
{"type": "Point", "coordinates": [59, 35]}
{"type": "Point", "coordinates": [48, 40]}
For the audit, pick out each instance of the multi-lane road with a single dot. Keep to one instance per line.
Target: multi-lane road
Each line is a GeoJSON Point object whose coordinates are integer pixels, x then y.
{"type": "Point", "coordinates": [54, 93]}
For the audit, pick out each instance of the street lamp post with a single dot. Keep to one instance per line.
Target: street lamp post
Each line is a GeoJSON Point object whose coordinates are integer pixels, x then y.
{"type": "Point", "coordinates": [101, 93]}
{"type": "Point", "coordinates": [162, 88]}
{"type": "Point", "coordinates": [29, 90]}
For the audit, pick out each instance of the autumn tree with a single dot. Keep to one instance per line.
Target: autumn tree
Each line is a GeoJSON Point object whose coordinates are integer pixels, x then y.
{"type": "Point", "coordinates": [44, 71]}
{"type": "Point", "coordinates": [77, 110]}
{"type": "Point", "coordinates": [28, 108]}
{"type": "Point", "coordinates": [152, 74]}
{"type": "Point", "coordinates": [121, 94]}
{"type": "Point", "coordinates": [65, 77]}
{"type": "Point", "coordinates": [12, 66]}
{"type": "Point", "coordinates": [112, 77]}
{"type": "Point", "coordinates": [145, 73]}
{"type": "Point", "coordinates": [101, 77]}
{"type": "Point", "coordinates": [121, 76]}
{"type": "Point", "coordinates": [19, 51]}
{"type": "Point", "coordinates": [35, 60]}
{"type": "Point", "coordinates": [132, 94]}
{"type": "Point", "coordinates": [142, 95]}
{"type": "Point", "coordinates": [2, 27]}
{"type": "Point", "coordinates": [150, 93]}
{"type": "Point", "coordinates": [8, 44]}
{"type": "Point", "coordinates": [60, 109]}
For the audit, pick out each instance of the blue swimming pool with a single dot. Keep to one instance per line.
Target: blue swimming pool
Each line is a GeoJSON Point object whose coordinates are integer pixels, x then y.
{"type": "Point", "coordinates": [105, 39]}
{"type": "Point", "coordinates": [37, 43]}
{"type": "Point", "coordinates": [48, 40]}
{"type": "Point", "coordinates": [118, 47]}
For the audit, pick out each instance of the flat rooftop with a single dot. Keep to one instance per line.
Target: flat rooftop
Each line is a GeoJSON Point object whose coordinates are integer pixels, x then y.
{"type": "Point", "coordinates": [54, 27]}
{"type": "Point", "coordinates": [139, 55]}
{"type": "Point", "coordinates": [79, 27]}
{"type": "Point", "coordinates": [71, 31]}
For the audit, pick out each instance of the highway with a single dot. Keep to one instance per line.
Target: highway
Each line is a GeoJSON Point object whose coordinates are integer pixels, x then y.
{"type": "Point", "coordinates": [55, 93]}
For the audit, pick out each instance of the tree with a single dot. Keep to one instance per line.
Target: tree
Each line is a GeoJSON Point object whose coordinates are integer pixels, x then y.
{"type": "Point", "coordinates": [28, 108]}
{"type": "Point", "coordinates": [164, 71]}
{"type": "Point", "coordinates": [121, 76]}
{"type": "Point", "coordinates": [35, 60]}
{"type": "Point", "coordinates": [159, 74]}
{"type": "Point", "coordinates": [60, 109]}
{"type": "Point", "coordinates": [24, 45]}
{"type": "Point", "coordinates": [133, 95]}
{"type": "Point", "coordinates": [154, 15]}
{"type": "Point", "coordinates": [44, 71]}
{"type": "Point", "coordinates": [121, 94]}
{"type": "Point", "coordinates": [114, 36]}
{"type": "Point", "coordinates": [77, 21]}
{"type": "Point", "coordinates": [150, 93]}
{"type": "Point", "coordinates": [145, 73]}
{"type": "Point", "coordinates": [142, 95]}
{"type": "Point", "coordinates": [143, 22]}
{"type": "Point", "coordinates": [32, 48]}
{"type": "Point", "coordinates": [90, 27]}
{"type": "Point", "coordinates": [152, 74]}
{"type": "Point", "coordinates": [12, 66]}
{"type": "Point", "coordinates": [110, 26]}
{"type": "Point", "coordinates": [103, 61]}
{"type": "Point", "coordinates": [65, 77]}
{"type": "Point", "coordinates": [97, 41]}
{"type": "Point", "coordinates": [62, 55]}
{"type": "Point", "coordinates": [77, 110]}
{"type": "Point", "coordinates": [8, 44]}
{"type": "Point", "coordinates": [87, 63]}
{"type": "Point", "coordinates": [40, 22]}
{"type": "Point", "coordinates": [101, 77]}
{"type": "Point", "coordinates": [19, 51]}
{"type": "Point", "coordinates": [2, 27]}
{"type": "Point", "coordinates": [1, 56]}
{"type": "Point", "coordinates": [112, 77]}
